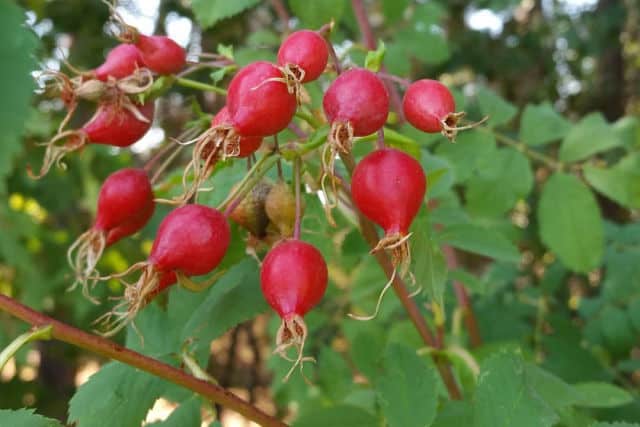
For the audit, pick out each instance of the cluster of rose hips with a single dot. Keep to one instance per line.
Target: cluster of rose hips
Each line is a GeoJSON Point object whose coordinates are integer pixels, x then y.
{"type": "Point", "coordinates": [387, 185]}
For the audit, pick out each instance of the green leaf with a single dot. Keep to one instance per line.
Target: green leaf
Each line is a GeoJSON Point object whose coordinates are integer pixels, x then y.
{"type": "Point", "coordinates": [429, 265]}
{"type": "Point", "coordinates": [628, 130]}
{"type": "Point", "coordinates": [470, 151]}
{"type": "Point", "coordinates": [473, 238]}
{"type": "Point", "coordinates": [504, 398]}
{"type": "Point", "coordinates": [617, 330]}
{"type": "Point", "coordinates": [334, 376]}
{"type": "Point", "coordinates": [314, 14]}
{"type": "Point", "coordinates": [115, 392]}
{"type": "Point", "coordinates": [25, 418]}
{"type": "Point", "coordinates": [374, 58]}
{"type": "Point", "coordinates": [589, 136]}
{"type": "Point", "coordinates": [186, 415]}
{"type": "Point", "coordinates": [16, 84]}
{"type": "Point", "coordinates": [340, 415]}
{"type": "Point", "coordinates": [493, 105]}
{"type": "Point", "coordinates": [408, 389]}
{"type": "Point", "coordinates": [541, 124]}
{"type": "Point", "coordinates": [550, 388]}
{"type": "Point", "coordinates": [411, 42]}
{"type": "Point", "coordinates": [601, 395]}
{"type": "Point", "coordinates": [235, 298]}
{"type": "Point", "coordinates": [209, 12]}
{"type": "Point", "coordinates": [615, 424]}
{"type": "Point", "coordinates": [500, 183]}
{"type": "Point", "coordinates": [570, 222]}
{"type": "Point", "coordinates": [454, 413]}
{"type": "Point", "coordinates": [620, 183]}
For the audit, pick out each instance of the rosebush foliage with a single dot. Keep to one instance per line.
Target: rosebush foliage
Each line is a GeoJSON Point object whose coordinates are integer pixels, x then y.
{"type": "Point", "coordinates": [540, 206]}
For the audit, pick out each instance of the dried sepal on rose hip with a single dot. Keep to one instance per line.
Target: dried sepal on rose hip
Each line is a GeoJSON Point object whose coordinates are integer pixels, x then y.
{"type": "Point", "coordinates": [293, 279]}
{"type": "Point", "coordinates": [220, 142]}
{"type": "Point", "coordinates": [191, 241]}
{"type": "Point", "coordinates": [429, 106]}
{"type": "Point", "coordinates": [119, 124]}
{"type": "Point", "coordinates": [388, 186]}
{"type": "Point", "coordinates": [356, 104]}
{"type": "Point", "coordinates": [125, 205]}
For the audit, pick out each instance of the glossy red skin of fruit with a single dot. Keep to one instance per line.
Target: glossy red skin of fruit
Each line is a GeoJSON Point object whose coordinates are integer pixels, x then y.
{"type": "Point", "coordinates": [258, 108]}
{"type": "Point", "coordinates": [117, 126]}
{"type": "Point", "coordinates": [125, 204]}
{"type": "Point", "coordinates": [120, 62]}
{"type": "Point", "coordinates": [192, 239]}
{"type": "Point", "coordinates": [248, 144]}
{"type": "Point", "coordinates": [427, 102]}
{"type": "Point", "coordinates": [161, 54]}
{"type": "Point", "coordinates": [293, 277]}
{"type": "Point", "coordinates": [359, 97]}
{"type": "Point", "coordinates": [307, 50]}
{"type": "Point", "coordinates": [388, 186]}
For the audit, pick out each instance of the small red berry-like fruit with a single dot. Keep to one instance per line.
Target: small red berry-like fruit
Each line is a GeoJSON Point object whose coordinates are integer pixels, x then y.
{"type": "Point", "coordinates": [388, 187]}
{"type": "Point", "coordinates": [116, 124]}
{"type": "Point", "coordinates": [191, 241]}
{"type": "Point", "coordinates": [121, 61]}
{"type": "Point", "coordinates": [305, 54]}
{"type": "Point", "coordinates": [161, 54]}
{"type": "Point", "coordinates": [125, 205]}
{"type": "Point", "coordinates": [259, 101]}
{"type": "Point", "coordinates": [293, 278]}
{"type": "Point", "coordinates": [429, 106]}
{"type": "Point", "coordinates": [234, 145]}
{"type": "Point", "coordinates": [356, 104]}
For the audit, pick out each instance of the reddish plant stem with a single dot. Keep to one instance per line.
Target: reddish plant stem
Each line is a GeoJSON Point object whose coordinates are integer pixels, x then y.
{"type": "Point", "coordinates": [380, 141]}
{"type": "Point", "coordinates": [109, 349]}
{"type": "Point", "coordinates": [468, 315]}
{"type": "Point", "coordinates": [282, 13]}
{"type": "Point", "coordinates": [371, 236]}
{"type": "Point", "coordinates": [369, 40]}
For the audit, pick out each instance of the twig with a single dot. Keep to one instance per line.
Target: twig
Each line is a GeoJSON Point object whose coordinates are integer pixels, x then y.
{"type": "Point", "coordinates": [282, 13]}
{"type": "Point", "coordinates": [109, 349]}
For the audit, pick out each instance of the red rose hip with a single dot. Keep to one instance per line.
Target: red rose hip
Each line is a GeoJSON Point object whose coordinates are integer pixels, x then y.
{"type": "Point", "coordinates": [305, 54]}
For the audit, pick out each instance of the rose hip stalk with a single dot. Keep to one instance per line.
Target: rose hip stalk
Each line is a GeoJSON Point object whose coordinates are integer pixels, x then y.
{"type": "Point", "coordinates": [302, 58]}
{"type": "Point", "coordinates": [293, 279]}
{"type": "Point", "coordinates": [219, 142]}
{"type": "Point", "coordinates": [125, 205]}
{"type": "Point", "coordinates": [388, 187]}
{"type": "Point", "coordinates": [191, 241]}
{"type": "Point", "coordinates": [356, 104]}
{"type": "Point", "coordinates": [259, 102]}
{"type": "Point", "coordinates": [119, 124]}
{"type": "Point", "coordinates": [429, 106]}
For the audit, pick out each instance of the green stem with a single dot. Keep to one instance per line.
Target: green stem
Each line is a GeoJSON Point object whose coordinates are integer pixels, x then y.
{"type": "Point", "coordinates": [252, 177]}
{"type": "Point", "coordinates": [308, 117]}
{"type": "Point", "coordinates": [194, 84]}
{"type": "Point", "coordinates": [41, 333]}
{"type": "Point", "coordinates": [300, 150]}
{"type": "Point", "coordinates": [520, 146]}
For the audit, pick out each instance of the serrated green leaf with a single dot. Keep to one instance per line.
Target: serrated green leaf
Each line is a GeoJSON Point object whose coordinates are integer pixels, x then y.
{"type": "Point", "coordinates": [374, 58]}
{"type": "Point", "coordinates": [627, 128]}
{"type": "Point", "coordinates": [505, 399]}
{"type": "Point", "coordinates": [411, 43]}
{"type": "Point", "coordinates": [500, 183]}
{"type": "Point", "coordinates": [454, 413]}
{"type": "Point", "coordinates": [314, 14]}
{"type": "Point", "coordinates": [334, 375]}
{"type": "Point", "coordinates": [340, 415]}
{"type": "Point", "coordinates": [131, 393]}
{"type": "Point", "coordinates": [553, 390]}
{"type": "Point", "coordinates": [470, 151]}
{"type": "Point", "coordinates": [471, 282]}
{"type": "Point", "coordinates": [570, 223]}
{"type": "Point", "coordinates": [601, 395]}
{"type": "Point", "coordinates": [209, 12]}
{"type": "Point", "coordinates": [25, 418]}
{"type": "Point", "coordinates": [615, 424]}
{"type": "Point", "coordinates": [408, 389]}
{"type": "Point", "coordinates": [16, 83]}
{"type": "Point", "coordinates": [473, 238]}
{"type": "Point", "coordinates": [589, 136]}
{"type": "Point", "coordinates": [186, 415]}
{"type": "Point", "coordinates": [493, 105]}
{"type": "Point", "coordinates": [620, 182]}
{"type": "Point", "coordinates": [617, 330]}
{"type": "Point", "coordinates": [541, 124]}
{"type": "Point", "coordinates": [429, 265]}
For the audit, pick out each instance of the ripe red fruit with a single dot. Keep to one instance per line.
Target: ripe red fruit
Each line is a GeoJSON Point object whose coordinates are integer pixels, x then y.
{"type": "Point", "coordinates": [114, 123]}
{"type": "Point", "coordinates": [388, 187]}
{"type": "Point", "coordinates": [234, 144]}
{"type": "Point", "coordinates": [429, 106]}
{"type": "Point", "coordinates": [191, 241]}
{"type": "Point", "coordinates": [259, 100]}
{"type": "Point", "coordinates": [293, 279]}
{"type": "Point", "coordinates": [356, 104]}
{"type": "Point", "coordinates": [120, 62]}
{"type": "Point", "coordinates": [125, 205]}
{"type": "Point", "coordinates": [161, 54]}
{"type": "Point", "coordinates": [304, 51]}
